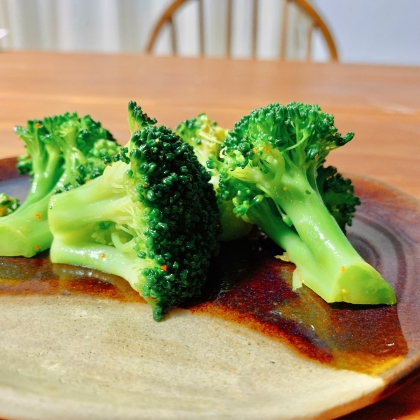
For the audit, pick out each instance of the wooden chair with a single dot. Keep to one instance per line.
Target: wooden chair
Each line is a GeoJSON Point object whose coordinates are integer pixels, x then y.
{"type": "Point", "coordinates": [316, 24]}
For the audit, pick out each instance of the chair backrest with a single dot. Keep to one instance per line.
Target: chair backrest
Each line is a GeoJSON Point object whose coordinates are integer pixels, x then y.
{"type": "Point", "coordinates": [316, 23]}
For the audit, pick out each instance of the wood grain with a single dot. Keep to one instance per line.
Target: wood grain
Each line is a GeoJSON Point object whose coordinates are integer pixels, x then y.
{"type": "Point", "coordinates": [381, 104]}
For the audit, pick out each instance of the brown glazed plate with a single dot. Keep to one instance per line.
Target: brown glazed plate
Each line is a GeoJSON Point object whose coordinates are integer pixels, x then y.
{"type": "Point", "coordinates": [79, 344]}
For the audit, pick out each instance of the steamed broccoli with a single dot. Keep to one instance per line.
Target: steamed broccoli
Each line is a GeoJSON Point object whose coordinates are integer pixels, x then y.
{"type": "Point", "coordinates": [203, 135]}
{"type": "Point", "coordinates": [206, 138]}
{"type": "Point", "coordinates": [62, 152]}
{"type": "Point", "coordinates": [151, 218]}
{"type": "Point", "coordinates": [270, 167]}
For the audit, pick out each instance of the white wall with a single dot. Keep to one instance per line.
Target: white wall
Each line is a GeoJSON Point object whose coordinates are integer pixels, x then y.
{"type": "Point", "coordinates": [366, 31]}
{"type": "Point", "coordinates": [374, 31]}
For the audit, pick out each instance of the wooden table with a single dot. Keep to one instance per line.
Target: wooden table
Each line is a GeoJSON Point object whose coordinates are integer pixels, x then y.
{"type": "Point", "coordinates": [381, 104]}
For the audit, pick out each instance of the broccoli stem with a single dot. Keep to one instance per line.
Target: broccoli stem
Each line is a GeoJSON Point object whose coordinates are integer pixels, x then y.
{"type": "Point", "coordinates": [100, 200]}
{"type": "Point", "coordinates": [105, 258]}
{"type": "Point", "coordinates": [311, 219]}
{"type": "Point", "coordinates": [326, 260]}
{"type": "Point", "coordinates": [41, 185]}
{"type": "Point", "coordinates": [26, 232]}
{"type": "Point", "coordinates": [46, 171]}
{"type": "Point", "coordinates": [265, 217]}
{"type": "Point", "coordinates": [97, 202]}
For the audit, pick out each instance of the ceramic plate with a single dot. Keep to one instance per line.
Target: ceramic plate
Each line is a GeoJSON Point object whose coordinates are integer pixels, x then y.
{"type": "Point", "coordinates": [77, 344]}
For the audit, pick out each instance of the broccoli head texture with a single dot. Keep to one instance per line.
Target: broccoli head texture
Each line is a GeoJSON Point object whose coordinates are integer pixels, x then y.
{"type": "Point", "coordinates": [338, 195]}
{"type": "Point", "coordinates": [206, 138]}
{"type": "Point", "coordinates": [62, 152]}
{"type": "Point", "coordinates": [203, 135]}
{"type": "Point", "coordinates": [150, 218]}
{"type": "Point", "coordinates": [271, 161]}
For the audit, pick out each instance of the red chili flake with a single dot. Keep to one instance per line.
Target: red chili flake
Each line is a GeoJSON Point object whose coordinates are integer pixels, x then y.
{"type": "Point", "coordinates": [164, 267]}
{"type": "Point", "coordinates": [38, 216]}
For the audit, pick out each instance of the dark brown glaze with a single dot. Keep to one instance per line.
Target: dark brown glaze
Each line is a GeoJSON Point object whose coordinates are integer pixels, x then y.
{"type": "Point", "coordinates": [38, 276]}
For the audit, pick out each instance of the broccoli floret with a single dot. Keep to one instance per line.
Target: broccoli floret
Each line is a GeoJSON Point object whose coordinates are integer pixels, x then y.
{"type": "Point", "coordinates": [151, 218]}
{"type": "Point", "coordinates": [206, 138]}
{"type": "Point", "coordinates": [271, 160]}
{"type": "Point", "coordinates": [337, 193]}
{"type": "Point", "coordinates": [203, 135]}
{"type": "Point", "coordinates": [8, 204]}
{"type": "Point", "coordinates": [62, 152]}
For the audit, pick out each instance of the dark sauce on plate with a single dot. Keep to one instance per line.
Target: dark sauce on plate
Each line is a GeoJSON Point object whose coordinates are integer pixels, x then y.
{"type": "Point", "coordinates": [248, 286]}
{"type": "Point", "coordinates": [256, 291]}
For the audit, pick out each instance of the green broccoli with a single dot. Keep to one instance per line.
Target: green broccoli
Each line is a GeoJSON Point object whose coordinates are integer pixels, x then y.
{"type": "Point", "coordinates": [8, 204]}
{"type": "Point", "coordinates": [206, 138]}
{"type": "Point", "coordinates": [270, 167]}
{"type": "Point", "coordinates": [151, 218]}
{"type": "Point", "coordinates": [203, 135]}
{"type": "Point", "coordinates": [62, 152]}
{"type": "Point", "coordinates": [337, 193]}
